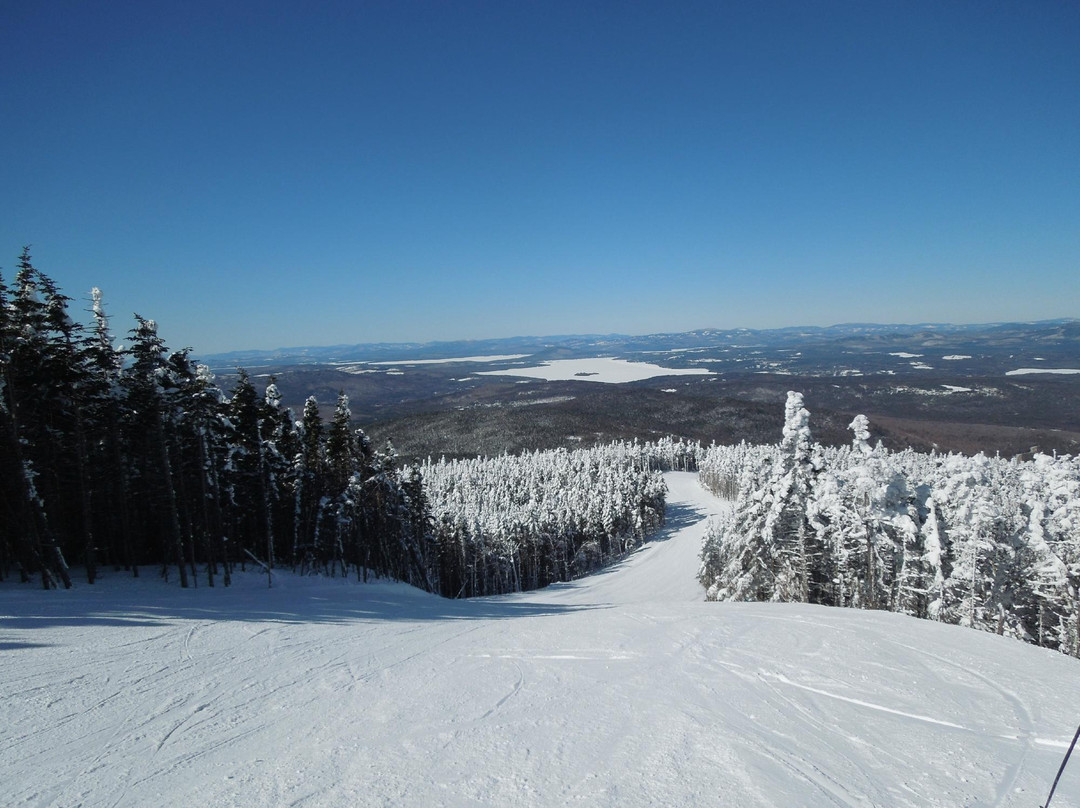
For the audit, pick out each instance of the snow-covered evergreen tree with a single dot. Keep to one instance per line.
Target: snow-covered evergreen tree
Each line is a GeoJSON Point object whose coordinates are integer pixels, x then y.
{"type": "Point", "coordinates": [983, 542]}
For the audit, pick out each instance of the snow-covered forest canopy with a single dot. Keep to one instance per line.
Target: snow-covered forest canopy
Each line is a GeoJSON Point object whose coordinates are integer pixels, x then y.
{"type": "Point", "coordinates": [978, 541]}
{"type": "Point", "coordinates": [513, 523]}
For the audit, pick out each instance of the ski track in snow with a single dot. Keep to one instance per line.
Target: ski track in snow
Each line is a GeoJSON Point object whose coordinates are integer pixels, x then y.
{"type": "Point", "coordinates": [621, 689]}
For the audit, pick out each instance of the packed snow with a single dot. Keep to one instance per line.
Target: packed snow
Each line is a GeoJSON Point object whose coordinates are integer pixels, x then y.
{"type": "Point", "coordinates": [623, 688]}
{"type": "Point", "coordinates": [1026, 371]}
{"type": "Point", "coordinates": [600, 369]}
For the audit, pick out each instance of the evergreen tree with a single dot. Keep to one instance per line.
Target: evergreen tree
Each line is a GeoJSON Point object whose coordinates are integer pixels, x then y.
{"type": "Point", "coordinates": [148, 412]}
{"type": "Point", "coordinates": [199, 446]}
{"type": "Point", "coordinates": [105, 400]}
{"type": "Point", "coordinates": [248, 472]}
{"type": "Point", "coordinates": [34, 413]}
{"type": "Point", "coordinates": [281, 446]}
{"type": "Point", "coordinates": [340, 523]}
{"type": "Point", "coordinates": [309, 464]}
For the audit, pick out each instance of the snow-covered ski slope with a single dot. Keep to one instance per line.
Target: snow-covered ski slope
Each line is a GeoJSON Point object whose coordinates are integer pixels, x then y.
{"type": "Point", "coordinates": [621, 689]}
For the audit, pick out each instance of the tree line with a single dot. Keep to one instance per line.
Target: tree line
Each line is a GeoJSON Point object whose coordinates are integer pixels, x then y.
{"type": "Point", "coordinates": [133, 457]}
{"type": "Point", "coordinates": [979, 541]}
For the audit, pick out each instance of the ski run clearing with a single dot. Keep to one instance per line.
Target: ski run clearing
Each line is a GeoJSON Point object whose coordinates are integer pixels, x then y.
{"type": "Point", "coordinates": [621, 689]}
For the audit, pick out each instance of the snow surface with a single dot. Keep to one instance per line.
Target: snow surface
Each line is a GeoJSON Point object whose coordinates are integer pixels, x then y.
{"type": "Point", "coordinates": [905, 355]}
{"type": "Point", "coordinates": [355, 370]}
{"type": "Point", "coordinates": [1026, 371]}
{"type": "Point", "coordinates": [955, 357]}
{"type": "Point", "coordinates": [601, 369]}
{"type": "Point", "coordinates": [622, 689]}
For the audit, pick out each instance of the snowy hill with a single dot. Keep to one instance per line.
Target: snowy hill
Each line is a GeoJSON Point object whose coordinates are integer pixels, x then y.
{"type": "Point", "coordinates": [624, 688]}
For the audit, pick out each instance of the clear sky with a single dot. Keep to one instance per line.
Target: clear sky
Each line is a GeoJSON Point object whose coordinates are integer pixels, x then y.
{"type": "Point", "coordinates": [266, 174]}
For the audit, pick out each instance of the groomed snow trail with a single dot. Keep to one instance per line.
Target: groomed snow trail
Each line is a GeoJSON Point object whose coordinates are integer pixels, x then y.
{"type": "Point", "coordinates": [620, 689]}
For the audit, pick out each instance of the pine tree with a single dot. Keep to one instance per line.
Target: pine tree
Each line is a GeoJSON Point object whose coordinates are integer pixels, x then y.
{"type": "Point", "coordinates": [309, 475]}
{"type": "Point", "coordinates": [147, 408]}
{"type": "Point", "coordinates": [20, 501]}
{"type": "Point", "coordinates": [252, 495]}
{"type": "Point", "coordinates": [34, 415]}
{"type": "Point", "coordinates": [339, 515]}
{"type": "Point", "coordinates": [281, 446]}
{"type": "Point", "coordinates": [200, 454]}
{"type": "Point", "coordinates": [802, 565]}
{"type": "Point", "coordinates": [71, 369]}
{"type": "Point", "coordinates": [417, 533]}
{"type": "Point", "coordinates": [109, 451]}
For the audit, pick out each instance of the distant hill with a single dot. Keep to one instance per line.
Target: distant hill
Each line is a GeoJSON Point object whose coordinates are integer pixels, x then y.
{"type": "Point", "coordinates": [1061, 338]}
{"type": "Point", "coordinates": [927, 385]}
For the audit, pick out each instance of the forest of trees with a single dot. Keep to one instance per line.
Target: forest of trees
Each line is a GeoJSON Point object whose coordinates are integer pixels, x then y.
{"type": "Point", "coordinates": [134, 457]}
{"type": "Point", "coordinates": [978, 541]}
{"type": "Point", "coordinates": [521, 522]}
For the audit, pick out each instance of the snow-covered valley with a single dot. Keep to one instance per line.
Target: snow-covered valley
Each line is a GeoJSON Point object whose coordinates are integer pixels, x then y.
{"type": "Point", "coordinates": [623, 688]}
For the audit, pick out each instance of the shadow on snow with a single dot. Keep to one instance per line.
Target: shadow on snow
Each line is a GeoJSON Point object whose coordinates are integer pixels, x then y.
{"type": "Point", "coordinates": [119, 600]}
{"type": "Point", "coordinates": [291, 600]}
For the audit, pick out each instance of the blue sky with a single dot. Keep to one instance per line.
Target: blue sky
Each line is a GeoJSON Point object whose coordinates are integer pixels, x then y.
{"type": "Point", "coordinates": [266, 174]}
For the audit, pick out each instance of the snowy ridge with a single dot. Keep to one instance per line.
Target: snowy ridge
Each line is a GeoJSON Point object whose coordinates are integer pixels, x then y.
{"type": "Point", "coordinates": [623, 688]}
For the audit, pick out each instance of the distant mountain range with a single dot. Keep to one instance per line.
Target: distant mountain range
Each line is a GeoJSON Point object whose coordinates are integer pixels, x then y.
{"type": "Point", "coordinates": [990, 387]}
{"type": "Point", "coordinates": [1058, 339]}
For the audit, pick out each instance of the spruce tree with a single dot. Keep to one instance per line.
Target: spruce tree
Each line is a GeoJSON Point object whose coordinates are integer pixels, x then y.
{"type": "Point", "coordinates": [148, 413]}
{"type": "Point", "coordinates": [36, 426]}
{"type": "Point", "coordinates": [309, 478]}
